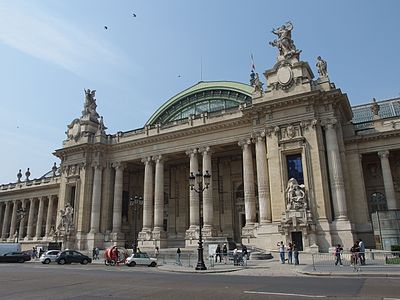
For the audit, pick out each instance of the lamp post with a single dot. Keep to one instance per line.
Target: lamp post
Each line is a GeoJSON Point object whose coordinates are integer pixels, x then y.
{"type": "Point", "coordinates": [21, 212]}
{"type": "Point", "coordinates": [134, 204]}
{"type": "Point", "coordinates": [197, 184]}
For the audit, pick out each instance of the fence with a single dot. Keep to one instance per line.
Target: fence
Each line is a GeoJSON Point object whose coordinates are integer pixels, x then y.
{"type": "Point", "coordinates": [324, 261]}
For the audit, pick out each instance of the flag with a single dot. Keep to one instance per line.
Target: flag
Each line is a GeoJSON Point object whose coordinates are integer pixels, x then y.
{"type": "Point", "coordinates": [253, 66]}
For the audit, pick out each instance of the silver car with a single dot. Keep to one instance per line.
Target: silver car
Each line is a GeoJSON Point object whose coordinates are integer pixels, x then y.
{"type": "Point", "coordinates": [140, 259]}
{"type": "Point", "coordinates": [49, 256]}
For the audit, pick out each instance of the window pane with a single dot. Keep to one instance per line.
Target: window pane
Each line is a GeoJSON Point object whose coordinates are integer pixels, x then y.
{"type": "Point", "coordinates": [295, 168]}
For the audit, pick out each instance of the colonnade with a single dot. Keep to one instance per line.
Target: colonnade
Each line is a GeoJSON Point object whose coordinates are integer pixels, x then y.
{"type": "Point", "coordinates": [34, 223]}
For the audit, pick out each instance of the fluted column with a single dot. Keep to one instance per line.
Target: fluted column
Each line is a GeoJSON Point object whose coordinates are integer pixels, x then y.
{"type": "Point", "coordinates": [13, 225]}
{"type": "Point", "coordinates": [22, 221]}
{"type": "Point", "coordinates": [118, 189]}
{"type": "Point", "coordinates": [39, 221]}
{"type": "Point", "coordinates": [248, 183]}
{"type": "Point", "coordinates": [193, 196]}
{"type": "Point", "coordinates": [335, 172]}
{"type": "Point", "coordinates": [49, 216]}
{"type": "Point", "coordinates": [96, 199]}
{"type": "Point", "coordinates": [148, 196]}
{"type": "Point", "coordinates": [6, 226]}
{"type": "Point", "coordinates": [208, 209]}
{"type": "Point", "coordinates": [264, 197]}
{"type": "Point", "coordinates": [29, 231]}
{"type": "Point", "coordinates": [159, 194]}
{"type": "Point", "coordinates": [388, 180]}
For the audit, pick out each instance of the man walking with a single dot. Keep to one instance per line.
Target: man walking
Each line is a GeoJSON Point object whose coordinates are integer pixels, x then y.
{"type": "Point", "coordinates": [281, 251]}
{"type": "Point", "coordinates": [361, 254]}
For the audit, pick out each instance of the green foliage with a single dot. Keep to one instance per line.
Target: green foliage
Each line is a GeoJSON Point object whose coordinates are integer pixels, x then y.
{"type": "Point", "coordinates": [393, 261]}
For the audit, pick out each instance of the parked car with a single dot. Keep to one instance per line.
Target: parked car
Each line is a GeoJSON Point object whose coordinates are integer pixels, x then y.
{"type": "Point", "coordinates": [49, 256]}
{"type": "Point", "coordinates": [72, 256]}
{"type": "Point", "coordinates": [140, 259]}
{"type": "Point", "coordinates": [13, 257]}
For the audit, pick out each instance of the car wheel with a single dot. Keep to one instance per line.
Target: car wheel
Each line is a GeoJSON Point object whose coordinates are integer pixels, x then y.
{"type": "Point", "coordinates": [153, 264]}
{"type": "Point", "coordinates": [84, 261]}
{"type": "Point", "coordinates": [132, 264]}
{"type": "Point", "coordinates": [106, 262]}
{"type": "Point", "coordinates": [46, 261]}
{"type": "Point", "coordinates": [61, 261]}
{"type": "Point", "coordinates": [113, 262]}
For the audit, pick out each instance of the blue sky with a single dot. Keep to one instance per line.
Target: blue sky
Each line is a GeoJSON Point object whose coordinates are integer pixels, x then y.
{"type": "Point", "coordinates": [52, 50]}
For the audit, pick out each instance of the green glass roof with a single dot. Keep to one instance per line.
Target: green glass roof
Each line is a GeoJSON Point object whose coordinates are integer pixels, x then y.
{"type": "Point", "coordinates": [205, 96]}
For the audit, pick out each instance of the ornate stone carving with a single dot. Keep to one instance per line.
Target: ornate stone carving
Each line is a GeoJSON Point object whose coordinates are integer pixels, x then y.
{"type": "Point", "coordinates": [375, 108]}
{"type": "Point", "coordinates": [257, 85]}
{"type": "Point", "coordinates": [322, 67]}
{"type": "Point", "coordinates": [27, 174]}
{"type": "Point", "coordinates": [284, 42]}
{"type": "Point", "coordinates": [74, 130]}
{"type": "Point", "coordinates": [19, 175]}
{"type": "Point", "coordinates": [295, 195]}
{"type": "Point", "coordinates": [89, 109]}
{"type": "Point", "coordinates": [66, 225]}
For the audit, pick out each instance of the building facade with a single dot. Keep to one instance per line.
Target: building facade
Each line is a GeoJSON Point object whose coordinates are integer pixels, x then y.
{"type": "Point", "coordinates": [292, 161]}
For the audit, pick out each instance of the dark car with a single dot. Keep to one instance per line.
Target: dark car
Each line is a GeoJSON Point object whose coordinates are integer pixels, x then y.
{"type": "Point", "coordinates": [72, 256]}
{"type": "Point", "coordinates": [15, 257]}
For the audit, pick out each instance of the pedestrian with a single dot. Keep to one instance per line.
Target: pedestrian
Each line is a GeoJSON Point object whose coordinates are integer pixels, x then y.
{"type": "Point", "coordinates": [235, 257]}
{"type": "Point", "coordinates": [94, 253]}
{"type": "Point", "coordinates": [218, 254]}
{"type": "Point", "coordinates": [97, 252]}
{"type": "Point", "coordinates": [295, 254]}
{"type": "Point", "coordinates": [281, 251]}
{"type": "Point", "coordinates": [244, 255]}
{"type": "Point", "coordinates": [361, 254]}
{"type": "Point", "coordinates": [156, 252]}
{"type": "Point", "coordinates": [34, 253]}
{"type": "Point", "coordinates": [338, 255]}
{"type": "Point", "coordinates": [178, 257]}
{"type": "Point", "coordinates": [225, 254]}
{"type": "Point", "coordinates": [355, 249]}
{"type": "Point", "coordinates": [138, 250]}
{"type": "Point", "coordinates": [289, 249]}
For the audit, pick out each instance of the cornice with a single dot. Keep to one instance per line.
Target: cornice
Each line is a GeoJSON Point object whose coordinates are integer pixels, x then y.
{"type": "Point", "coordinates": [372, 137]}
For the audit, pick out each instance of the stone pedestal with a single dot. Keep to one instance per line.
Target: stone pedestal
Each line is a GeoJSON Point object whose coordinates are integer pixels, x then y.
{"type": "Point", "coordinates": [117, 239]}
{"type": "Point", "coordinates": [160, 238]}
{"type": "Point", "coordinates": [342, 233]}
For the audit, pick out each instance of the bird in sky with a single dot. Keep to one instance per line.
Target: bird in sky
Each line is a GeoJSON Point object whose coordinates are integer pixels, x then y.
{"type": "Point", "coordinates": [105, 27]}
{"type": "Point", "coordinates": [134, 15]}
{"type": "Point", "coordinates": [179, 76]}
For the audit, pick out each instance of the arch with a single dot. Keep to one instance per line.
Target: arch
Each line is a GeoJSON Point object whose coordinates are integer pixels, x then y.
{"type": "Point", "coordinates": [202, 97]}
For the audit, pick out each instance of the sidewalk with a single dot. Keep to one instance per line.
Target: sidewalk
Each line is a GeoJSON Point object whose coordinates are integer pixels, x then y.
{"type": "Point", "coordinates": [273, 267]}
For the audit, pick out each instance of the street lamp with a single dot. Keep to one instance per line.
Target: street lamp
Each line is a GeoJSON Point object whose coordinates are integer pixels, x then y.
{"type": "Point", "coordinates": [21, 212]}
{"type": "Point", "coordinates": [134, 204]}
{"type": "Point", "coordinates": [201, 186]}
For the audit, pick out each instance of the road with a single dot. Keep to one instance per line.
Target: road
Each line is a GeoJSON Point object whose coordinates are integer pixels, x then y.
{"type": "Point", "coordinates": [36, 281]}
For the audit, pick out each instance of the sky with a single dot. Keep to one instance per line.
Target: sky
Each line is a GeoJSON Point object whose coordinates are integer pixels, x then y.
{"type": "Point", "coordinates": [50, 51]}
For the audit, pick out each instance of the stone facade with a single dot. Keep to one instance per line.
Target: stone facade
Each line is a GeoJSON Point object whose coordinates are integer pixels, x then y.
{"type": "Point", "coordinates": [251, 141]}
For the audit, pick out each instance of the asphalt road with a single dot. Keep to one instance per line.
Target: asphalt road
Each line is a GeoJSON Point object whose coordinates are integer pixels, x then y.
{"type": "Point", "coordinates": [37, 281]}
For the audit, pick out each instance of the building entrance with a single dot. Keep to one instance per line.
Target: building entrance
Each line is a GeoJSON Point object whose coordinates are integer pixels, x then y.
{"type": "Point", "coordinates": [297, 238]}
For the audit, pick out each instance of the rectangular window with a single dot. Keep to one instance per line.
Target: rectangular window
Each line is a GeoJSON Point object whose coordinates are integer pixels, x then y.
{"type": "Point", "coordinates": [295, 167]}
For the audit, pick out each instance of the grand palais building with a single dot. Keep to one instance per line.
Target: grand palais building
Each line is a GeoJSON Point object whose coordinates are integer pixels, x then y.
{"type": "Point", "coordinates": [290, 160]}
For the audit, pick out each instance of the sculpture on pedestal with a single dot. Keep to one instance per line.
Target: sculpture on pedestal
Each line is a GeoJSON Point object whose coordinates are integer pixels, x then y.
{"type": "Point", "coordinates": [90, 105]}
{"type": "Point", "coordinates": [66, 222]}
{"type": "Point", "coordinates": [322, 67]}
{"type": "Point", "coordinates": [284, 42]}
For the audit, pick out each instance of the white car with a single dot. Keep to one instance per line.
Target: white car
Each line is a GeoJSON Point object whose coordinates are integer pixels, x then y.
{"type": "Point", "coordinates": [49, 256]}
{"type": "Point", "coordinates": [140, 259]}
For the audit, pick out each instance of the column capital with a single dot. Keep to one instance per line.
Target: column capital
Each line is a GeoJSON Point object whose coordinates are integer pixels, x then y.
{"type": "Point", "coordinates": [383, 154]}
{"type": "Point", "coordinates": [158, 158]}
{"type": "Point", "coordinates": [98, 165]}
{"type": "Point", "coordinates": [146, 160]}
{"type": "Point", "coordinates": [258, 136]}
{"type": "Point", "coordinates": [118, 165]}
{"type": "Point", "coordinates": [205, 150]}
{"type": "Point", "coordinates": [192, 151]}
{"type": "Point", "coordinates": [244, 142]}
{"type": "Point", "coordinates": [329, 123]}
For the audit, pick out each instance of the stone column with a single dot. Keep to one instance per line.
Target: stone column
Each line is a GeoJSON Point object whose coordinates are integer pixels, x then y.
{"type": "Point", "coordinates": [159, 197]}
{"type": "Point", "coordinates": [148, 195]}
{"type": "Point", "coordinates": [193, 196]}
{"type": "Point", "coordinates": [39, 221]}
{"type": "Point", "coordinates": [49, 216]}
{"type": "Point", "coordinates": [335, 172]}
{"type": "Point", "coordinates": [208, 204]}
{"type": "Point", "coordinates": [2, 208]}
{"type": "Point", "coordinates": [22, 221]}
{"type": "Point", "coordinates": [29, 231]}
{"type": "Point", "coordinates": [118, 189]}
{"type": "Point", "coordinates": [96, 199]}
{"type": "Point", "coordinates": [388, 180]}
{"type": "Point", "coordinates": [264, 197]}
{"type": "Point", "coordinates": [13, 219]}
{"type": "Point", "coordinates": [248, 184]}
{"type": "Point", "coordinates": [4, 230]}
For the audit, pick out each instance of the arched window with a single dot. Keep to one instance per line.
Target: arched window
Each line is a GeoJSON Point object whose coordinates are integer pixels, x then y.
{"type": "Point", "coordinates": [377, 202]}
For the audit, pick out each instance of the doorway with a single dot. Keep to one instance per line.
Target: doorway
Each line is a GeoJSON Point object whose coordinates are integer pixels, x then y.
{"type": "Point", "coordinates": [297, 238]}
